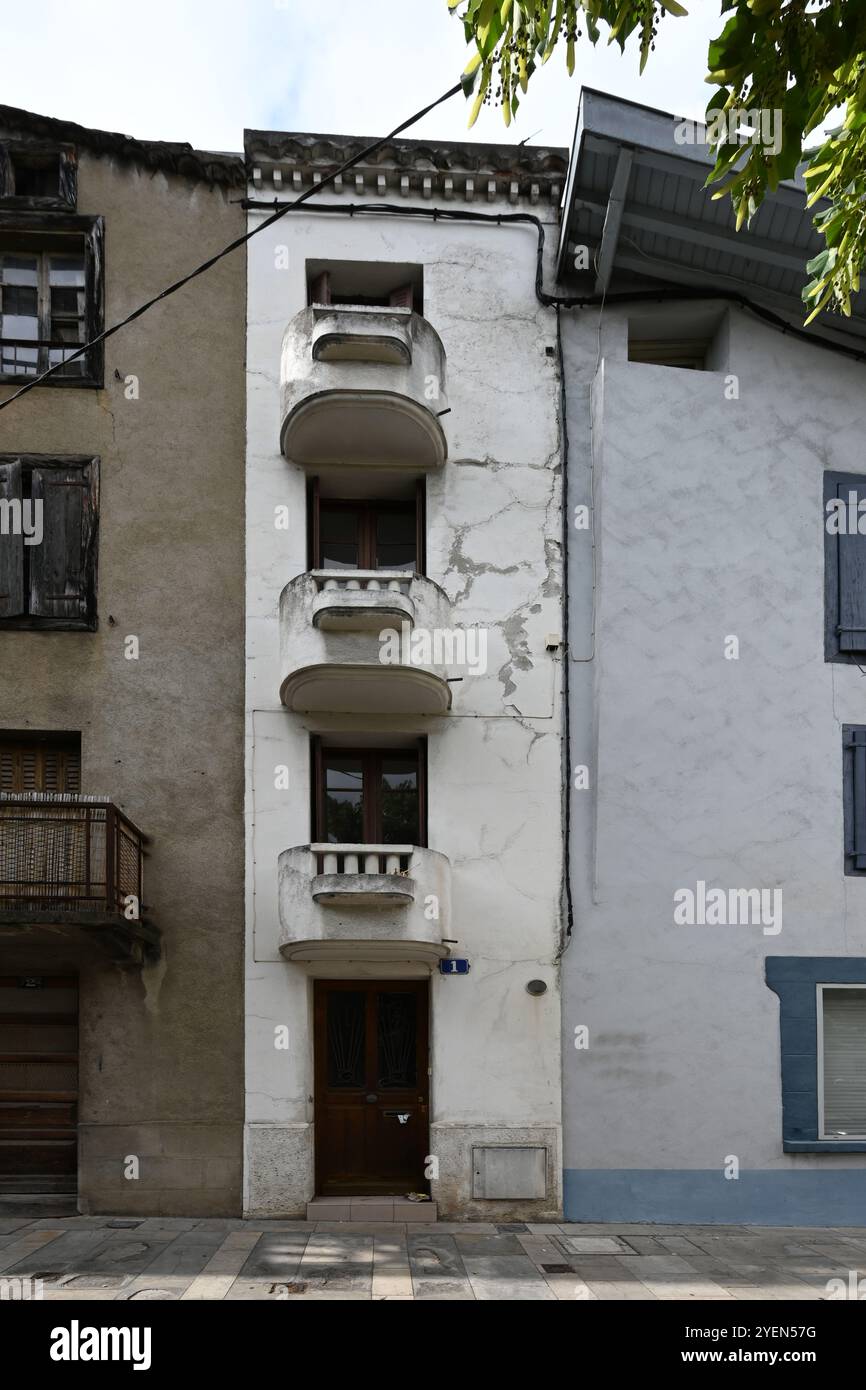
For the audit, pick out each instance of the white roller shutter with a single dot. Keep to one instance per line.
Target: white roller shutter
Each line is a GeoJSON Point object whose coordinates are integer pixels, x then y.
{"type": "Point", "coordinates": [844, 1061]}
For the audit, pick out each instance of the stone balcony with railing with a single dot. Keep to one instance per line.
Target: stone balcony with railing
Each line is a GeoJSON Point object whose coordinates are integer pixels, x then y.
{"type": "Point", "coordinates": [364, 902]}
{"type": "Point", "coordinates": [363, 386]}
{"type": "Point", "coordinates": [335, 657]}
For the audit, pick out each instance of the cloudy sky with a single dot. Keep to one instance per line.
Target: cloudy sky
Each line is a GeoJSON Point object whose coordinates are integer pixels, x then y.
{"type": "Point", "coordinates": [201, 70]}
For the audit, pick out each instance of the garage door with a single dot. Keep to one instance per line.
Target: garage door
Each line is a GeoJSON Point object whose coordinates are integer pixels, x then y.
{"type": "Point", "coordinates": [38, 1083]}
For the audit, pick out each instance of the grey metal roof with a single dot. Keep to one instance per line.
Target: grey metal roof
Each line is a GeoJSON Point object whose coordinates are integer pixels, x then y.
{"type": "Point", "coordinates": [635, 197]}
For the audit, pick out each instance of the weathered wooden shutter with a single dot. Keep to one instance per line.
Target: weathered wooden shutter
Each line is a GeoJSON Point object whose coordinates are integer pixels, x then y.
{"type": "Point", "coordinates": [61, 769]}
{"type": "Point", "coordinates": [7, 769]}
{"type": "Point", "coordinates": [314, 541]}
{"type": "Point", "coordinates": [320, 289]}
{"type": "Point", "coordinates": [41, 765]}
{"type": "Point", "coordinates": [852, 577]}
{"type": "Point", "coordinates": [317, 799]}
{"type": "Point", "coordinates": [421, 526]}
{"type": "Point", "coordinates": [854, 742]}
{"type": "Point", "coordinates": [401, 298]}
{"type": "Point", "coordinates": [11, 542]}
{"type": "Point", "coordinates": [7, 180]}
{"type": "Point", "coordinates": [844, 1048]}
{"type": "Point", "coordinates": [62, 568]}
{"type": "Point", "coordinates": [69, 175]}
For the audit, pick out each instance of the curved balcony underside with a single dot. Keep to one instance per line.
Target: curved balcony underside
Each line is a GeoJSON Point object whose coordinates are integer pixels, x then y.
{"type": "Point", "coordinates": [379, 429]}
{"type": "Point", "coordinates": [365, 689]}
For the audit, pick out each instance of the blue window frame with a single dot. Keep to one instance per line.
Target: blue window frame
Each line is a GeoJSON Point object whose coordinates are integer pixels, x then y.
{"type": "Point", "coordinates": [795, 980]}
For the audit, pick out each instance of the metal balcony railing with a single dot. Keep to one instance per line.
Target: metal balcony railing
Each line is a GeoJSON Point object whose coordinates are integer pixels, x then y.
{"type": "Point", "coordinates": [68, 854]}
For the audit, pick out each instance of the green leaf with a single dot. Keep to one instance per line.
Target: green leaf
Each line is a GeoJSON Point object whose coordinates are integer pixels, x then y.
{"type": "Point", "coordinates": [476, 105]}
{"type": "Point", "coordinates": [468, 79]}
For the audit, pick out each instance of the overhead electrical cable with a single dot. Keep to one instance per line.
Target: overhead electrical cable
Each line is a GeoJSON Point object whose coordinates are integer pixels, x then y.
{"type": "Point", "coordinates": [232, 246]}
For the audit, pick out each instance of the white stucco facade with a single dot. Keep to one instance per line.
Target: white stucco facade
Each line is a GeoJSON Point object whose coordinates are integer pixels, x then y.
{"type": "Point", "coordinates": [493, 564]}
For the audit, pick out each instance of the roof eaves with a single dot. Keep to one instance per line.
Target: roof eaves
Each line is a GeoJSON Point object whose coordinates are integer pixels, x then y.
{"type": "Point", "coordinates": [173, 157]}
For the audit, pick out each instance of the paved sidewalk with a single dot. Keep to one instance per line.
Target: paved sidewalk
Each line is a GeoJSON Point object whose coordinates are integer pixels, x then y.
{"type": "Point", "coordinates": [99, 1257]}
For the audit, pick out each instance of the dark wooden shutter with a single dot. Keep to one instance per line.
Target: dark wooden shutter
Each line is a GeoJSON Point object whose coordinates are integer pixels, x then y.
{"type": "Point", "coordinates": [314, 539]}
{"type": "Point", "coordinates": [852, 577]}
{"type": "Point", "coordinates": [421, 526]}
{"type": "Point", "coordinates": [11, 545]}
{"type": "Point", "coordinates": [401, 298]}
{"type": "Point", "coordinates": [317, 798]}
{"type": "Point", "coordinates": [7, 180]}
{"type": "Point", "coordinates": [320, 288]}
{"type": "Point", "coordinates": [62, 579]}
{"type": "Point", "coordinates": [422, 792]}
{"type": "Point", "coordinates": [854, 741]}
{"type": "Point", "coordinates": [48, 764]}
{"type": "Point", "coordinates": [69, 176]}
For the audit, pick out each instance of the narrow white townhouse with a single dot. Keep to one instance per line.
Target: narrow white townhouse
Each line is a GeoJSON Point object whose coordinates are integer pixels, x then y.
{"type": "Point", "coordinates": [404, 810]}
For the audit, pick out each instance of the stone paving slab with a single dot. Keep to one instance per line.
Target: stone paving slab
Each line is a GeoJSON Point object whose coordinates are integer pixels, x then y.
{"type": "Point", "coordinates": [180, 1258]}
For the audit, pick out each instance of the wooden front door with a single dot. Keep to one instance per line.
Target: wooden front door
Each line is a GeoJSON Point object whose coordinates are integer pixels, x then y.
{"type": "Point", "coordinates": [371, 1111]}
{"type": "Point", "coordinates": [38, 1083]}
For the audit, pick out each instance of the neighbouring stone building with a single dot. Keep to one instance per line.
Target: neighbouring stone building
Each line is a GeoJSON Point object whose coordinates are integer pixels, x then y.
{"type": "Point", "coordinates": [121, 675]}
{"type": "Point", "coordinates": [404, 670]}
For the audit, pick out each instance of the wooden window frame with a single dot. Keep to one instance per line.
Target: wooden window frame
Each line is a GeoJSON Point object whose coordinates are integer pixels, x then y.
{"type": "Point", "coordinates": [407, 295]}
{"type": "Point", "coordinates": [66, 197]}
{"type": "Point", "coordinates": [89, 468]}
{"type": "Point", "coordinates": [368, 509]}
{"type": "Point", "coordinates": [88, 234]}
{"type": "Point", "coordinates": [371, 759]}
{"type": "Point", "coordinates": [689, 354]}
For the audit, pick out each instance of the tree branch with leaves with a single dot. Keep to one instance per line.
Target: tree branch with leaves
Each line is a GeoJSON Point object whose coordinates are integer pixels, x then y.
{"type": "Point", "coordinates": [803, 62]}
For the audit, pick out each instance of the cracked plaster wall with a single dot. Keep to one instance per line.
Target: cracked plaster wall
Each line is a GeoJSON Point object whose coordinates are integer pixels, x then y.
{"type": "Point", "coordinates": [493, 543]}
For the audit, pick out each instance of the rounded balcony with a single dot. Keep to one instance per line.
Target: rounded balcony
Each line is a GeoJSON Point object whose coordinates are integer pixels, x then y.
{"type": "Point", "coordinates": [364, 642]}
{"type": "Point", "coordinates": [362, 386]}
{"type": "Point", "coordinates": [364, 902]}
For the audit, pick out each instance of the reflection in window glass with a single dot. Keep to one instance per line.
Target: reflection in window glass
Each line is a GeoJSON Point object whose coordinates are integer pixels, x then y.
{"type": "Point", "coordinates": [396, 541]}
{"type": "Point", "coordinates": [19, 314]}
{"type": "Point", "coordinates": [344, 800]}
{"type": "Point", "coordinates": [42, 301]}
{"type": "Point", "coordinates": [338, 533]}
{"type": "Point", "coordinates": [399, 785]}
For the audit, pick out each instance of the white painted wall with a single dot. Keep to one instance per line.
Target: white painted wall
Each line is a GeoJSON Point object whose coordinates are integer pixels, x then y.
{"type": "Point", "coordinates": [493, 544]}
{"type": "Point", "coordinates": [709, 522]}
